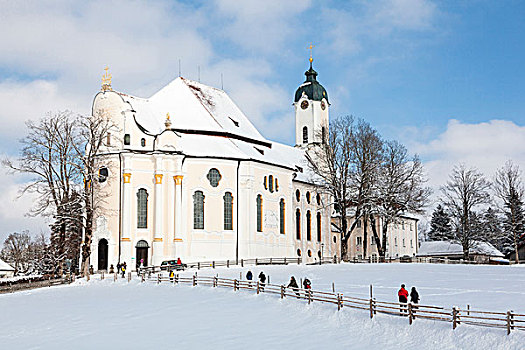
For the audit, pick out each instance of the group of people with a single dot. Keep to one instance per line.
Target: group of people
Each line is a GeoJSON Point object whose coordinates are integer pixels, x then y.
{"type": "Point", "coordinates": [403, 297]}
{"type": "Point", "coordinates": [307, 285]}
{"type": "Point", "coordinates": [121, 268]}
{"type": "Point", "coordinates": [262, 279]}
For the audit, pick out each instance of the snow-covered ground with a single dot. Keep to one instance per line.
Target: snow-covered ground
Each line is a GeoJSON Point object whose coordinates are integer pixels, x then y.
{"type": "Point", "coordinates": [104, 314]}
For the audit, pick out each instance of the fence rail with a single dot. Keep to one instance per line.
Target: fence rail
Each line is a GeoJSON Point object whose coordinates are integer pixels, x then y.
{"type": "Point", "coordinates": [505, 320]}
{"type": "Point", "coordinates": [225, 263]}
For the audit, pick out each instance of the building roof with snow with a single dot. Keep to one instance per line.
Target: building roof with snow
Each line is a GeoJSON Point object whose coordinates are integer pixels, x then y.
{"type": "Point", "coordinates": [208, 123]}
{"type": "Point", "coordinates": [5, 266]}
{"type": "Point", "coordinates": [453, 249]}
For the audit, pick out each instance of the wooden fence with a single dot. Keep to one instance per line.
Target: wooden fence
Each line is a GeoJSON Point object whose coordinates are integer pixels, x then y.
{"type": "Point", "coordinates": [227, 263]}
{"type": "Point", "coordinates": [506, 320]}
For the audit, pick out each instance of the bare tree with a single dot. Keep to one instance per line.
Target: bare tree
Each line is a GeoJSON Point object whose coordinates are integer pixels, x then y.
{"type": "Point", "coordinates": [93, 135]}
{"type": "Point", "coordinates": [16, 251]}
{"type": "Point", "coordinates": [366, 158]}
{"type": "Point", "coordinates": [509, 188]}
{"type": "Point", "coordinates": [400, 188]}
{"type": "Point", "coordinates": [465, 190]}
{"type": "Point", "coordinates": [331, 163]}
{"type": "Point", "coordinates": [48, 155]}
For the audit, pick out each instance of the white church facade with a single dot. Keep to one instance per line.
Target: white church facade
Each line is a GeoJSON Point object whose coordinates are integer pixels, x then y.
{"type": "Point", "coordinates": [185, 174]}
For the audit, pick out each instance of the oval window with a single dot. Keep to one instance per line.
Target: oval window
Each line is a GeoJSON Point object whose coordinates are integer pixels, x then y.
{"type": "Point", "coordinates": [298, 252]}
{"type": "Point", "coordinates": [103, 174]}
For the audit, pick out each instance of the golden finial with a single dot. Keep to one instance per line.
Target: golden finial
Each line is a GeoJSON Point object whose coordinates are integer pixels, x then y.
{"type": "Point", "coordinates": [106, 80]}
{"type": "Point", "coordinates": [167, 123]}
{"type": "Point", "coordinates": [311, 48]}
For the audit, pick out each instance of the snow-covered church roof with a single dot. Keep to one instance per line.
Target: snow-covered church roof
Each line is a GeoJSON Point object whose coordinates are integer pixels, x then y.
{"type": "Point", "coordinates": [210, 124]}
{"type": "Point", "coordinates": [445, 248]}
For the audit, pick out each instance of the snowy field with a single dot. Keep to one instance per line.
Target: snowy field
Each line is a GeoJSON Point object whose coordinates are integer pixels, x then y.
{"type": "Point", "coordinates": [108, 315]}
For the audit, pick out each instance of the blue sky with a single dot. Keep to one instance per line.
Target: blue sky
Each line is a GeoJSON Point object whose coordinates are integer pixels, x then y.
{"type": "Point", "coordinates": [445, 78]}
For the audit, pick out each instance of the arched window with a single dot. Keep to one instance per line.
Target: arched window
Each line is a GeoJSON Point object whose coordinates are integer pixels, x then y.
{"type": "Point", "coordinates": [323, 135]}
{"type": "Point", "coordinates": [308, 197]}
{"type": "Point", "coordinates": [308, 225]}
{"type": "Point", "coordinates": [276, 185]}
{"type": "Point", "coordinates": [265, 183]}
{"type": "Point", "coordinates": [298, 195]}
{"type": "Point", "coordinates": [281, 215]}
{"type": "Point", "coordinates": [198, 210]}
{"type": "Point", "coordinates": [318, 227]}
{"type": "Point", "coordinates": [298, 252]}
{"type": "Point", "coordinates": [305, 134]}
{"type": "Point", "coordinates": [270, 183]}
{"type": "Point", "coordinates": [309, 253]}
{"type": "Point", "coordinates": [142, 208]}
{"type": "Point", "coordinates": [259, 213]}
{"type": "Point", "coordinates": [228, 211]}
{"type": "Point", "coordinates": [127, 139]}
{"type": "Point", "coordinates": [318, 199]}
{"type": "Point", "coordinates": [298, 224]}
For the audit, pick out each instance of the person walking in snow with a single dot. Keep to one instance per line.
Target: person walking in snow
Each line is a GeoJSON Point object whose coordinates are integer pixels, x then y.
{"type": "Point", "coordinates": [123, 269]}
{"type": "Point", "coordinates": [262, 280]}
{"type": "Point", "coordinates": [403, 298]}
{"type": "Point", "coordinates": [414, 298]}
{"type": "Point", "coordinates": [294, 286]}
{"type": "Point", "coordinates": [307, 284]}
{"type": "Point", "coordinates": [172, 276]}
{"type": "Point", "coordinates": [249, 277]}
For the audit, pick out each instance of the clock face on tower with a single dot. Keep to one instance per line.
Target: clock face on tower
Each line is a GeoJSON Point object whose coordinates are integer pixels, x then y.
{"type": "Point", "coordinates": [304, 104]}
{"type": "Point", "coordinates": [323, 105]}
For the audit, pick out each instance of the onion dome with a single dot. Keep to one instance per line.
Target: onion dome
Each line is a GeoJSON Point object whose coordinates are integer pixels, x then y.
{"type": "Point", "coordinates": [311, 87]}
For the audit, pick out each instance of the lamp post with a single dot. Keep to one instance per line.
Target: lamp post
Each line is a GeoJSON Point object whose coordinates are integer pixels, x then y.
{"type": "Point", "coordinates": [322, 248]}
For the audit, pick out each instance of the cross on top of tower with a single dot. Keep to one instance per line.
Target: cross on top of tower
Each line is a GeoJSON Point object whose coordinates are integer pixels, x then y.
{"type": "Point", "coordinates": [106, 80]}
{"type": "Point", "coordinates": [311, 48]}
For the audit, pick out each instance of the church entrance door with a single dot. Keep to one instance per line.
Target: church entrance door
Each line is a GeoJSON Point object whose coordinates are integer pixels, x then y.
{"type": "Point", "coordinates": [142, 253]}
{"type": "Point", "coordinates": [103, 254]}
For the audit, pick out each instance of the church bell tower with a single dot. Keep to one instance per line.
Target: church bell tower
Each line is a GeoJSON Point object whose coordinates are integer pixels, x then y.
{"type": "Point", "coordinates": [311, 111]}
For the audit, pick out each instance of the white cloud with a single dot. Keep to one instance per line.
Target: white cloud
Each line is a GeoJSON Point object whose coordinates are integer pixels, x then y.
{"type": "Point", "coordinates": [486, 146]}
{"type": "Point", "coordinates": [13, 210]}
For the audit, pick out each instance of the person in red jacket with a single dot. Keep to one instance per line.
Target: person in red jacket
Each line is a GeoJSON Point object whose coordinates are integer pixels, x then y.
{"type": "Point", "coordinates": [403, 298]}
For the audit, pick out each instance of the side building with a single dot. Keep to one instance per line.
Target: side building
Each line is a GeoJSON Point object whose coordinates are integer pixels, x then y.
{"type": "Point", "coordinates": [185, 174]}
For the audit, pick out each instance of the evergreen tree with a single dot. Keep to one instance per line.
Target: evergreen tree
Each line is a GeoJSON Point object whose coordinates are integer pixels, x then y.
{"type": "Point", "coordinates": [440, 226]}
{"type": "Point", "coordinates": [492, 227]}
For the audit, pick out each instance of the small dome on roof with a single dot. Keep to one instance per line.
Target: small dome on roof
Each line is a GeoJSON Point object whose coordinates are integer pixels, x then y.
{"type": "Point", "coordinates": [311, 87]}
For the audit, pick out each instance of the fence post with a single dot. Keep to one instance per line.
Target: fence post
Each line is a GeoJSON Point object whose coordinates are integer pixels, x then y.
{"type": "Point", "coordinates": [309, 295]}
{"type": "Point", "coordinates": [510, 321]}
{"type": "Point", "coordinates": [158, 278]}
{"type": "Point", "coordinates": [234, 284]}
{"type": "Point", "coordinates": [199, 265]}
{"type": "Point", "coordinates": [114, 277]}
{"type": "Point", "coordinates": [194, 281]}
{"type": "Point", "coordinates": [454, 317]}
{"type": "Point", "coordinates": [410, 314]}
{"type": "Point", "coordinates": [242, 263]}
{"type": "Point", "coordinates": [129, 277]}
{"type": "Point", "coordinates": [270, 261]}
{"type": "Point", "coordinates": [176, 278]}
{"type": "Point", "coordinates": [257, 286]}
{"type": "Point", "coordinates": [282, 291]}
{"type": "Point", "coordinates": [142, 278]}
{"type": "Point", "coordinates": [468, 309]}
{"type": "Point", "coordinates": [227, 263]}
{"type": "Point", "coordinates": [102, 275]}
{"type": "Point", "coordinates": [256, 262]}
{"type": "Point", "coordinates": [371, 308]}
{"type": "Point", "coordinates": [285, 260]}
{"type": "Point", "coordinates": [339, 303]}
{"type": "Point", "coordinates": [215, 281]}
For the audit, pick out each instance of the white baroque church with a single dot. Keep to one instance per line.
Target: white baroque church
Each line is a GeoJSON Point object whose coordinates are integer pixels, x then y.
{"type": "Point", "coordinates": [186, 174]}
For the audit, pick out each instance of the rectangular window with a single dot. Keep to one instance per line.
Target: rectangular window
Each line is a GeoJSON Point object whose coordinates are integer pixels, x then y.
{"type": "Point", "coordinates": [395, 241]}
{"type": "Point", "coordinates": [372, 241]}
{"type": "Point", "coordinates": [403, 242]}
{"type": "Point", "coordinates": [359, 240]}
{"type": "Point", "coordinates": [281, 216]}
{"type": "Point", "coordinates": [359, 224]}
{"type": "Point", "coordinates": [411, 244]}
{"type": "Point", "coordinates": [198, 210]}
{"type": "Point", "coordinates": [318, 227]}
{"type": "Point", "coordinates": [411, 227]}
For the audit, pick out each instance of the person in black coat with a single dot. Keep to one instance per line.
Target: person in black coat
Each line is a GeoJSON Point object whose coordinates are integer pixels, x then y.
{"type": "Point", "coordinates": [294, 286]}
{"type": "Point", "coordinates": [414, 298]}
{"type": "Point", "coordinates": [262, 279]}
{"type": "Point", "coordinates": [249, 277]}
